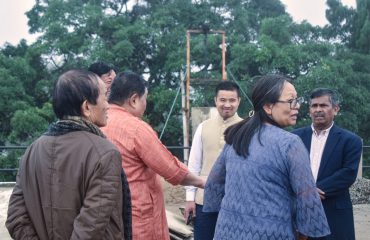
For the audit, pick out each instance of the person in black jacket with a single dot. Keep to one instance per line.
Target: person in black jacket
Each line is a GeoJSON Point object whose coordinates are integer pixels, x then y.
{"type": "Point", "coordinates": [335, 155]}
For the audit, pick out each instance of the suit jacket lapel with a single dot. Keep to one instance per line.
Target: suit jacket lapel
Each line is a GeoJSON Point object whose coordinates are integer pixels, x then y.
{"type": "Point", "coordinates": [331, 142]}
{"type": "Point", "coordinates": [307, 137]}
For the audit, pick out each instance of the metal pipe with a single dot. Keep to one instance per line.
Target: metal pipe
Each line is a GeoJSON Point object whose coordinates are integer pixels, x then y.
{"type": "Point", "coordinates": [224, 74]}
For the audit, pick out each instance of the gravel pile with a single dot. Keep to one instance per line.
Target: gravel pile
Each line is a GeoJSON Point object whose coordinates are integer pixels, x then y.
{"type": "Point", "coordinates": [360, 191]}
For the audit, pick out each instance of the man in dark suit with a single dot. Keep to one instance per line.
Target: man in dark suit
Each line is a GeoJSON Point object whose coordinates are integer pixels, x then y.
{"type": "Point", "coordinates": [335, 155]}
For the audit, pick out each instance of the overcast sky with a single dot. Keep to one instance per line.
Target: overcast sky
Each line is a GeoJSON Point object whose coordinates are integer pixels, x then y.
{"type": "Point", "coordinates": [13, 21]}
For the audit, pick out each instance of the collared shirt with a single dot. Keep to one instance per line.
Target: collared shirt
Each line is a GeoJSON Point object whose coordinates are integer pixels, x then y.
{"type": "Point", "coordinates": [195, 160]}
{"type": "Point", "coordinates": [196, 154]}
{"type": "Point", "coordinates": [318, 142]}
{"type": "Point", "coordinates": [144, 160]}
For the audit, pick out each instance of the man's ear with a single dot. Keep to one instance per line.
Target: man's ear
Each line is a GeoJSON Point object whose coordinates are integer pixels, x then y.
{"type": "Point", "coordinates": [133, 100]}
{"type": "Point", "coordinates": [239, 99]}
{"type": "Point", "coordinates": [336, 110]}
{"type": "Point", "coordinates": [85, 109]}
{"type": "Point", "coordinates": [215, 99]}
{"type": "Point", "coordinates": [268, 108]}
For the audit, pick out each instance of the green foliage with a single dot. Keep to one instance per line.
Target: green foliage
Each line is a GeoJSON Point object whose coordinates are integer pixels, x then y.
{"type": "Point", "coordinates": [150, 39]}
{"type": "Point", "coordinates": [159, 104]}
{"type": "Point", "coordinates": [9, 160]}
{"type": "Point", "coordinates": [29, 124]}
{"type": "Point", "coordinates": [361, 27]}
{"type": "Point", "coordinates": [341, 21]}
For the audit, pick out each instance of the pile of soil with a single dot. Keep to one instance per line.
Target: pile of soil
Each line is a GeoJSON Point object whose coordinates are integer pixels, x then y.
{"type": "Point", "coordinates": [174, 195]}
{"type": "Point", "coordinates": [360, 191]}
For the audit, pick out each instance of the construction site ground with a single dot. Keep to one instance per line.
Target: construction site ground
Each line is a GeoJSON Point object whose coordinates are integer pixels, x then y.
{"type": "Point", "coordinates": [175, 198]}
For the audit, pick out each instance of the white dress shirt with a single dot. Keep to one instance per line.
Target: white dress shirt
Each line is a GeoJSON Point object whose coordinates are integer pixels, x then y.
{"type": "Point", "coordinates": [195, 160]}
{"type": "Point", "coordinates": [318, 142]}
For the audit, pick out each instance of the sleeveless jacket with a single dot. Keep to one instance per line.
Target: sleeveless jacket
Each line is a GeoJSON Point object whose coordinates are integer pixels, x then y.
{"type": "Point", "coordinates": [213, 142]}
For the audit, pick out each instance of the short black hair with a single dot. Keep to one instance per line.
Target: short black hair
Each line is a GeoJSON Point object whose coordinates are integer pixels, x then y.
{"type": "Point", "coordinates": [101, 68]}
{"type": "Point", "coordinates": [124, 85]}
{"type": "Point", "coordinates": [71, 89]}
{"type": "Point", "coordinates": [319, 92]}
{"type": "Point", "coordinates": [227, 86]}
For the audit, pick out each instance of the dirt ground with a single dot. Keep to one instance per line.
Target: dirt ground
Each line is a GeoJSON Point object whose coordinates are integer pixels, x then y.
{"type": "Point", "coordinates": [173, 194]}
{"type": "Point", "coordinates": [174, 197]}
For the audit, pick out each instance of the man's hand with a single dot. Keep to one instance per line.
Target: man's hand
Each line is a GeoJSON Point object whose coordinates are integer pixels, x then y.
{"type": "Point", "coordinates": [189, 208]}
{"type": "Point", "coordinates": [203, 184]}
{"type": "Point", "coordinates": [321, 193]}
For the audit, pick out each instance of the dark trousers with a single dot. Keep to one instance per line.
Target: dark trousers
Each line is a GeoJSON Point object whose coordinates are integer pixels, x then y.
{"type": "Point", "coordinates": [204, 224]}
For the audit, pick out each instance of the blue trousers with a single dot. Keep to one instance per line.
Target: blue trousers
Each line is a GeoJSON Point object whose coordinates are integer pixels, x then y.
{"type": "Point", "coordinates": [204, 224]}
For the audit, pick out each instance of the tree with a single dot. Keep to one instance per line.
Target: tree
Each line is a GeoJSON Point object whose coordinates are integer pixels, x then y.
{"type": "Point", "coordinates": [360, 37]}
{"type": "Point", "coordinates": [24, 101]}
{"type": "Point", "coordinates": [33, 118]}
{"type": "Point", "coordinates": [149, 38]}
{"type": "Point", "coordinates": [340, 20]}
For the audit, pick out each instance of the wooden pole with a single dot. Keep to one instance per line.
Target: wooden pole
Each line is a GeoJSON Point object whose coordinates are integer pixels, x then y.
{"type": "Point", "coordinates": [185, 85]}
{"type": "Point", "coordinates": [185, 90]}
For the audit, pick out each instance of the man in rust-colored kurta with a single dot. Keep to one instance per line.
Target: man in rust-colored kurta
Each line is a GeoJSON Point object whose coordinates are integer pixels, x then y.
{"type": "Point", "coordinates": [144, 157]}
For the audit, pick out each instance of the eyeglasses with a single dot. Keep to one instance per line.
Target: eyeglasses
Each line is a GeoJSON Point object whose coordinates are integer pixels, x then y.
{"type": "Point", "coordinates": [293, 102]}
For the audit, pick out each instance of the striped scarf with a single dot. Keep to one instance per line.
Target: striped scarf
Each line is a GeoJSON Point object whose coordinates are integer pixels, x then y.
{"type": "Point", "coordinates": [73, 124]}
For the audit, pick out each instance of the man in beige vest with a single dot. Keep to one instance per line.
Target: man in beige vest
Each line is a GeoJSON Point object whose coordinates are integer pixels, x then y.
{"type": "Point", "coordinates": [207, 144]}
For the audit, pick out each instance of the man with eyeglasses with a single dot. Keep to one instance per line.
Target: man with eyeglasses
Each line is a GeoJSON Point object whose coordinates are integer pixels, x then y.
{"type": "Point", "coordinates": [335, 155]}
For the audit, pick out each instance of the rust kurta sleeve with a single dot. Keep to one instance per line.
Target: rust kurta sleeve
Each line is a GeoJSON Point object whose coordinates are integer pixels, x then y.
{"type": "Point", "coordinates": [144, 159]}
{"type": "Point", "coordinates": [156, 156]}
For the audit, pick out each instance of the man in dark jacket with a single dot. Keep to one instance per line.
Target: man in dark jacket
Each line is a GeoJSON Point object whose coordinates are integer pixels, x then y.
{"type": "Point", "coordinates": [335, 155]}
{"type": "Point", "coordinates": [69, 180]}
